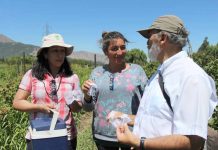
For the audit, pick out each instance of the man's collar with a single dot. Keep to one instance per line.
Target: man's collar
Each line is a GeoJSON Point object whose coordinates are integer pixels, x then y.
{"type": "Point", "coordinates": [170, 60]}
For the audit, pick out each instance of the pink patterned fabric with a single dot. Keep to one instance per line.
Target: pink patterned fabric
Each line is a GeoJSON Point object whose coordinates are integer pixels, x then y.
{"type": "Point", "coordinates": [68, 89]}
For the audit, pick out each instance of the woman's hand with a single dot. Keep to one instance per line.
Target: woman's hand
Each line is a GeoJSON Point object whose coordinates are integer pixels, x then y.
{"type": "Point", "coordinates": [21, 103]}
{"type": "Point", "coordinates": [45, 108]}
{"type": "Point", "coordinates": [85, 88]}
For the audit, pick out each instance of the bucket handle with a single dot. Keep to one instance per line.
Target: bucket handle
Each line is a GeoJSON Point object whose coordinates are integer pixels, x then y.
{"type": "Point", "coordinates": [54, 119]}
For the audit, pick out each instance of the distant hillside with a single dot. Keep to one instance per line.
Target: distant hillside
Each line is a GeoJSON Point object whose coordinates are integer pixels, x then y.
{"type": "Point", "coordinates": [89, 56]}
{"type": "Point", "coordinates": [9, 47]}
{"type": "Point", "coordinates": [5, 39]}
{"type": "Point", "coordinates": [15, 49]}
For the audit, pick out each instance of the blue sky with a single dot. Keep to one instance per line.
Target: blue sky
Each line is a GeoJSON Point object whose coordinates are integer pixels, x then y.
{"type": "Point", "coordinates": [81, 22]}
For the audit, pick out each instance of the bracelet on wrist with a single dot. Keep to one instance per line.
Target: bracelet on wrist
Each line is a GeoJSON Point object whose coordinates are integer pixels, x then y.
{"type": "Point", "coordinates": [141, 146]}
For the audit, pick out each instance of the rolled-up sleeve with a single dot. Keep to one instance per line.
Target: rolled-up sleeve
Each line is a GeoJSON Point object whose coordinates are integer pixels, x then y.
{"type": "Point", "coordinates": [26, 83]}
{"type": "Point", "coordinates": [191, 112]}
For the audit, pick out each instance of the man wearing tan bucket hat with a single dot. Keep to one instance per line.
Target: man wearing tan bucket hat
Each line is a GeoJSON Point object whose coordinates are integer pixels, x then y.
{"type": "Point", "coordinates": [51, 85]}
{"type": "Point", "coordinates": [178, 99]}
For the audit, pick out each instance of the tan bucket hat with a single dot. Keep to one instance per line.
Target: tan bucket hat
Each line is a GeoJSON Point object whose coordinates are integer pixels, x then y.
{"type": "Point", "coordinates": [55, 39]}
{"type": "Point", "coordinates": [169, 23]}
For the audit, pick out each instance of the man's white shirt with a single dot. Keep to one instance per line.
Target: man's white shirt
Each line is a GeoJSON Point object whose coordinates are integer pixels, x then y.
{"type": "Point", "coordinates": [193, 98]}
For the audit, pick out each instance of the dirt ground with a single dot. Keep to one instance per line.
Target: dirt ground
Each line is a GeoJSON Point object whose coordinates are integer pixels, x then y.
{"type": "Point", "coordinates": [85, 122]}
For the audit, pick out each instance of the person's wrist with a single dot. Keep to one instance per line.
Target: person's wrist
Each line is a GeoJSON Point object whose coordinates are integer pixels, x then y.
{"type": "Point", "coordinates": [38, 107]}
{"type": "Point", "coordinates": [41, 108]}
{"type": "Point", "coordinates": [134, 142]}
{"type": "Point", "coordinates": [87, 99]}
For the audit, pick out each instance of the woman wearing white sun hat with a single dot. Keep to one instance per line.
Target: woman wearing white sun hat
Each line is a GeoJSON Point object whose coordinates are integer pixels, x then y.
{"type": "Point", "coordinates": [51, 85]}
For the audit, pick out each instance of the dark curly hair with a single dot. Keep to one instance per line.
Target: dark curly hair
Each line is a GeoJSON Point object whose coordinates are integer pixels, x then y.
{"type": "Point", "coordinates": [41, 66]}
{"type": "Point", "coordinates": [107, 37]}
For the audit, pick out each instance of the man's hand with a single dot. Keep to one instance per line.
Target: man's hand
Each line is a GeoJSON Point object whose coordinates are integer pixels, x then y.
{"type": "Point", "coordinates": [125, 136]}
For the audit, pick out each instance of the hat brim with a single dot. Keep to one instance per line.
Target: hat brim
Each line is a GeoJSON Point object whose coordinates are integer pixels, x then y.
{"type": "Point", "coordinates": [67, 46]}
{"type": "Point", "coordinates": [145, 32]}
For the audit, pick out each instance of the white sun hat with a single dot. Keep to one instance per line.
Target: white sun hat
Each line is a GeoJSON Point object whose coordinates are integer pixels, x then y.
{"type": "Point", "coordinates": [55, 39]}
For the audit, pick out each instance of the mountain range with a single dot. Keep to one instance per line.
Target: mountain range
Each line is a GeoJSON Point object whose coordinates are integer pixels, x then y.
{"type": "Point", "coordinates": [9, 47]}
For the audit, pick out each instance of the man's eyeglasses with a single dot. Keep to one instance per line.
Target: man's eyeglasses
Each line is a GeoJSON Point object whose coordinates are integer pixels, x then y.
{"type": "Point", "coordinates": [116, 48]}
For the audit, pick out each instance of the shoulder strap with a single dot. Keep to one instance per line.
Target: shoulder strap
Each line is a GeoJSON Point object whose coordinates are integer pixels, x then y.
{"type": "Point", "coordinates": [161, 83]}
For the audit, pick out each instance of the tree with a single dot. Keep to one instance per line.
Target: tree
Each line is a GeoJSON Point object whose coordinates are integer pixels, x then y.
{"type": "Point", "coordinates": [212, 50]}
{"type": "Point", "coordinates": [208, 60]}
{"type": "Point", "coordinates": [204, 45]}
{"type": "Point", "coordinates": [136, 56]}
